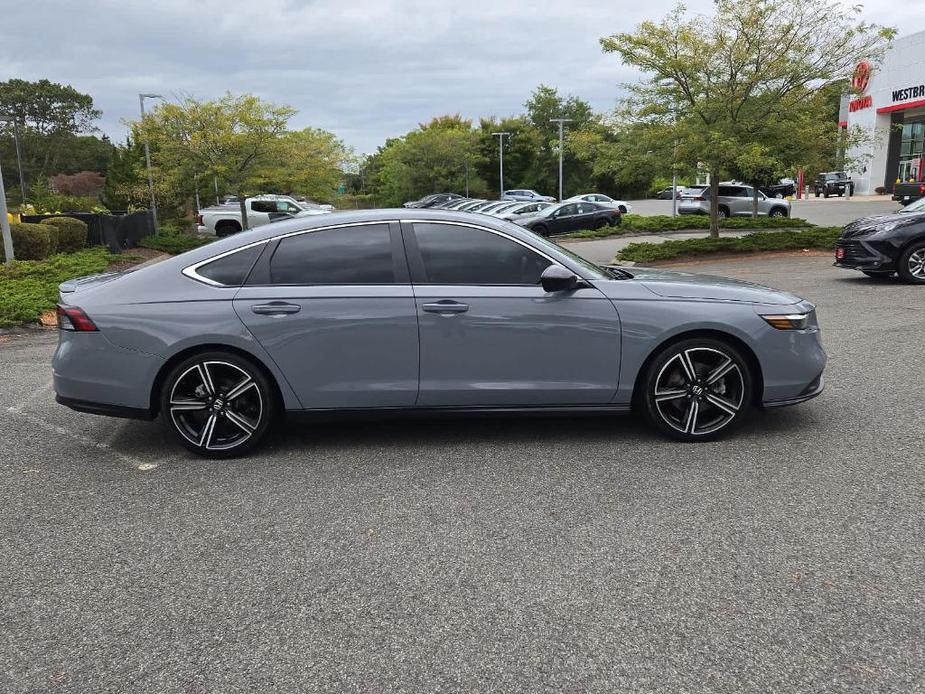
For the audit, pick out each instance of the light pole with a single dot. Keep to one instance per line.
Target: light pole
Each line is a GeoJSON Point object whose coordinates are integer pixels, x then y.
{"type": "Point", "coordinates": [5, 224]}
{"type": "Point", "coordinates": [22, 180]}
{"type": "Point", "coordinates": [561, 122]}
{"type": "Point", "coordinates": [501, 137]}
{"type": "Point", "coordinates": [141, 102]}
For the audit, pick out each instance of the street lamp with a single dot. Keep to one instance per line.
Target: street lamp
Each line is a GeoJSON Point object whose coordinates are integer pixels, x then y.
{"type": "Point", "coordinates": [501, 137]}
{"type": "Point", "coordinates": [141, 102]}
{"type": "Point", "coordinates": [561, 122]}
{"type": "Point", "coordinates": [5, 224]}
{"type": "Point", "coordinates": [22, 180]}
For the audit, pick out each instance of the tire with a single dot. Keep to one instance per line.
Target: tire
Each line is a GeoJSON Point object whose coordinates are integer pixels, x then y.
{"type": "Point", "coordinates": [912, 263]}
{"type": "Point", "coordinates": [195, 404]}
{"type": "Point", "coordinates": [541, 229]}
{"type": "Point", "coordinates": [816, 193]}
{"type": "Point", "coordinates": [622, 209]}
{"type": "Point", "coordinates": [599, 223]}
{"type": "Point", "coordinates": [825, 194]}
{"type": "Point", "coordinates": [723, 212]}
{"type": "Point", "coordinates": [777, 212]}
{"type": "Point", "coordinates": [226, 229]}
{"type": "Point", "coordinates": [877, 274]}
{"type": "Point", "coordinates": [696, 409]}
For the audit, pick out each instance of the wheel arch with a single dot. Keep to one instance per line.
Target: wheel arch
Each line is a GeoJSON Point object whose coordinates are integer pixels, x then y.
{"type": "Point", "coordinates": [167, 366]}
{"type": "Point", "coordinates": [738, 343]}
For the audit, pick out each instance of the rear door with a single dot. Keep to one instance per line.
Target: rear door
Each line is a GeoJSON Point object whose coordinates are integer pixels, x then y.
{"type": "Point", "coordinates": [335, 310]}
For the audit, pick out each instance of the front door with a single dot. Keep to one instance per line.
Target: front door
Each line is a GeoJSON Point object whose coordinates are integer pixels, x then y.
{"type": "Point", "coordinates": [491, 336]}
{"type": "Point", "coordinates": [335, 310]}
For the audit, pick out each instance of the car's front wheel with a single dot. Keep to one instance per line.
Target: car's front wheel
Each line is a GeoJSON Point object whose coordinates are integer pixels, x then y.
{"type": "Point", "coordinates": [912, 263]}
{"type": "Point", "coordinates": [217, 404]}
{"type": "Point", "coordinates": [541, 229]}
{"type": "Point", "coordinates": [697, 389]}
{"type": "Point", "coordinates": [778, 212]}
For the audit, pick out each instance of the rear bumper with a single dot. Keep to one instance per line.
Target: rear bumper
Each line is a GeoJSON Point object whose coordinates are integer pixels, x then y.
{"type": "Point", "coordinates": [105, 409]}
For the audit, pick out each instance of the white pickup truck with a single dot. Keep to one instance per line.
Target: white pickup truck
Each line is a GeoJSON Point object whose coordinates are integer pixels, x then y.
{"type": "Point", "coordinates": [222, 220]}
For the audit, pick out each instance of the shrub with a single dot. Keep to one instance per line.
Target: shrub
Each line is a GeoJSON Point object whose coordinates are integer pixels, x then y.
{"type": "Point", "coordinates": [818, 237]}
{"type": "Point", "coordinates": [28, 288]}
{"type": "Point", "coordinates": [173, 243]}
{"type": "Point", "coordinates": [659, 223]}
{"type": "Point", "coordinates": [71, 233]}
{"type": "Point", "coordinates": [32, 241]}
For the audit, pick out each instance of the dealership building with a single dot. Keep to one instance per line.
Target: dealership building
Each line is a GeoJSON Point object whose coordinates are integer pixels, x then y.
{"type": "Point", "coordinates": [890, 101]}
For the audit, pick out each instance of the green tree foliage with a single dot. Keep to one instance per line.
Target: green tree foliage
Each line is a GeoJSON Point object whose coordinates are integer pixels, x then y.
{"type": "Point", "coordinates": [56, 123]}
{"type": "Point", "coordinates": [235, 138]}
{"type": "Point", "coordinates": [749, 74]}
{"type": "Point", "coordinates": [126, 186]}
{"type": "Point", "coordinates": [311, 162]}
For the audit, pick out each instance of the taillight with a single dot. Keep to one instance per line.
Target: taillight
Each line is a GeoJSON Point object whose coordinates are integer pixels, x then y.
{"type": "Point", "coordinates": [73, 318]}
{"type": "Point", "coordinates": [700, 198]}
{"type": "Point", "coordinates": [839, 253]}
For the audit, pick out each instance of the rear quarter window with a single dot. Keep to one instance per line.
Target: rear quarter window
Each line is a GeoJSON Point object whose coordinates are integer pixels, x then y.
{"type": "Point", "coordinates": [232, 270]}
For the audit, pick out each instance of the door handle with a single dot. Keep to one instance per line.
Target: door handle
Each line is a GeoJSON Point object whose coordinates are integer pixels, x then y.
{"type": "Point", "coordinates": [275, 308]}
{"type": "Point", "coordinates": [446, 306]}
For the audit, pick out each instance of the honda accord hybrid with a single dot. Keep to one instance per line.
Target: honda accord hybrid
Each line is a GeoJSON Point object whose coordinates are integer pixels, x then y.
{"type": "Point", "coordinates": [422, 311]}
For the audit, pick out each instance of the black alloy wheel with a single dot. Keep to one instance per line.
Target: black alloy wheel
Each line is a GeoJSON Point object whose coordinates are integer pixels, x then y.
{"type": "Point", "coordinates": [697, 389]}
{"type": "Point", "coordinates": [217, 404]}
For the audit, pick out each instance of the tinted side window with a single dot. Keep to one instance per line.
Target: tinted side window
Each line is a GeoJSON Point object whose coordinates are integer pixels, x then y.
{"type": "Point", "coordinates": [463, 255]}
{"type": "Point", "coordinates": [233, 269]}
{"type": "Point", "coordinates": [349, 255]}
{"type": "Point", "coordinates": [263, 206]}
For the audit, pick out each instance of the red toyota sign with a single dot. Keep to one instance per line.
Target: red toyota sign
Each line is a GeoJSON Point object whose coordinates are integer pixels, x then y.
{"type": "Point", "coordinates": [861, 77]}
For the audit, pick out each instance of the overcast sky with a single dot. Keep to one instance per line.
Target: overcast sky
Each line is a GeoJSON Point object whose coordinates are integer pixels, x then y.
{"type": "Point", "coordinates": [363, 69]}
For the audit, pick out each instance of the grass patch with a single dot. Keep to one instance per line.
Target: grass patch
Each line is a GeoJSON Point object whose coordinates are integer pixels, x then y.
{"type": "Point", "coordinates": [173, 243]}
{"type": "Point", "coordinates": [816, 237]}
{"type": "Point", "coordinates": [28, 288]}
{"type": "Point", "coordinates": [634, 224]}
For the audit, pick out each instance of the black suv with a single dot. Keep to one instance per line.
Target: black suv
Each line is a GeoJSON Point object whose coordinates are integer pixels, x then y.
{"type": "Point", "coordinates": [833, 183]}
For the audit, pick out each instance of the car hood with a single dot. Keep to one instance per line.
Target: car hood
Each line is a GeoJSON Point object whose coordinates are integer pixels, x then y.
{"type": "Point", "coordinates": [689, 285]}
{"type": "Point", "coordinates": [868, 224]}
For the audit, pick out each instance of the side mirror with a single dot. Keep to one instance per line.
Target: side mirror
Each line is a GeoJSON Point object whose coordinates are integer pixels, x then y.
{"type": "Point", "coordinates": [556, 278]}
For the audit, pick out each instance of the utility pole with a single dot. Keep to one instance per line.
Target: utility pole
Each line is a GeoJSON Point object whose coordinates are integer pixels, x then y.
{"type": "Point", "coordinates": [674, 181]}
{"type": "Point", "coordinates": [141, 102]}
{"type": "Point", "coordinates": [5, 224]}
{"type": "Point", "coordinates": [22, 180]}
{"type": "Point", "coordinates": [561, 122]}
{"type": "Point", "coordinates": [501, 137]}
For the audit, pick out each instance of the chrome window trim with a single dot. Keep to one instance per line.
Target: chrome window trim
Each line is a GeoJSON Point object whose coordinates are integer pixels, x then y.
{"type": "Point", "coordinates": [191, 271]}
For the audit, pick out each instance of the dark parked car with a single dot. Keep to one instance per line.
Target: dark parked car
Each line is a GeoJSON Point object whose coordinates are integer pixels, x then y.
{"type": "Point", "coordinates": [833, 183]}
{"type": "Point", "coordinates": [570, 216]}
{"type": "Point", "coordinates": [888, 244]}
{"type": "Point", "coordinates": [666, 193]}
{"type": "Point", "coordinates": [422, 311]}
{"type": "Point", "coordinates": [779, 190]}
{"type": "Point", "coordinates": [905, 193]}
{"type": "Point", "coordinates": [432, 200]}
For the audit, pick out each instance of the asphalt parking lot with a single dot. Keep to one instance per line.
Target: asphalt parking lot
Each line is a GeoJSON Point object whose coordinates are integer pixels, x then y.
{"type": "Point", "coordinates": [508, 555]}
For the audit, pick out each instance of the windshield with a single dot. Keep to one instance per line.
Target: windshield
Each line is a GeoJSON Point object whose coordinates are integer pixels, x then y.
{"type": "Point", "coordinates": [917, 206]}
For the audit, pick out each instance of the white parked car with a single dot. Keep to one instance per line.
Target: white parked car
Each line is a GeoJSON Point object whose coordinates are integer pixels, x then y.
{"type": "Point", "coordinates": [223, 220]}
{"type": "Point", "coordinates": [520, 209]}
{"type": "Point", "coordinates": [601, 199]}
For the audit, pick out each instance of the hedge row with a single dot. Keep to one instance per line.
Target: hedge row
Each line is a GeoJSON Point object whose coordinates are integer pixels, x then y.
{"type": "Point", "coordinates": [173, 243]}
{"type": "Point", "coordinates": [632, 224]}
{"type": "Point", "coordinates": [817, 238]}
{"type": "Point", "coordinates": [51, 236]}
{"type": "Point", "coordinates": [28, 288]}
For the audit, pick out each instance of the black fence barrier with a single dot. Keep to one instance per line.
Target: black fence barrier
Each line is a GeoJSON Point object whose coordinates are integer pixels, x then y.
{"type": "Point", "coordinates": [116, 231]}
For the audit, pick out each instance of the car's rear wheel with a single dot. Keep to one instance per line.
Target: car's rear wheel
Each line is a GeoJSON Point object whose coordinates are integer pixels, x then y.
{"type": "Point", "coordinates": [541, 229]}
{"type": "Point", "coordinates": [723, 212]}
{"type": "Point", "coordinates": [599, 223]}
{"type": "Point", "coordinates": [226, 229]}
{"type": "Point", "coordinates": [912, 263]}
{"type": "Point", "coordinates": [217, 404]}
{"type": "Point", "coordinates": [697, 389]}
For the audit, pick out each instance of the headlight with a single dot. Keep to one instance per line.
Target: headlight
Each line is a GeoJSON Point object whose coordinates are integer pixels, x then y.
{"type": "Point", "coordinates": [789, 321]}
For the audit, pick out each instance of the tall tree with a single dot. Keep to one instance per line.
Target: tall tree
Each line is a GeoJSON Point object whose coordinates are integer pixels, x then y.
{"type": "Point", "coordinates": [718, 85]}
{"type": "Point", "coordinates": [236, 138]}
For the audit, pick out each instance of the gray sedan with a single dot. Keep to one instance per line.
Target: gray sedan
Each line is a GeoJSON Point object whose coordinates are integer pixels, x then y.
{"type": "Point", "coordinates": [421, 311]}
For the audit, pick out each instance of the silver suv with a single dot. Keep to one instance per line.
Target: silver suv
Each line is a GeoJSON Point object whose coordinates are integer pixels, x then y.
{"type": "Point", "coordinates": [734, 201]}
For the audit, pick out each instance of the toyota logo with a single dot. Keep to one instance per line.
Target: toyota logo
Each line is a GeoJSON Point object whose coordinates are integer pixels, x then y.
{"type": "Point", "coordinates": [861, 77]}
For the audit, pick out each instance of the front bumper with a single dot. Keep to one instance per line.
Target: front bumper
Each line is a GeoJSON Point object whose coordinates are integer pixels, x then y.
{"type": "Point", "coordinates": [811, 391]}
{"type": "Point", "coordinates": [854, 254]}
